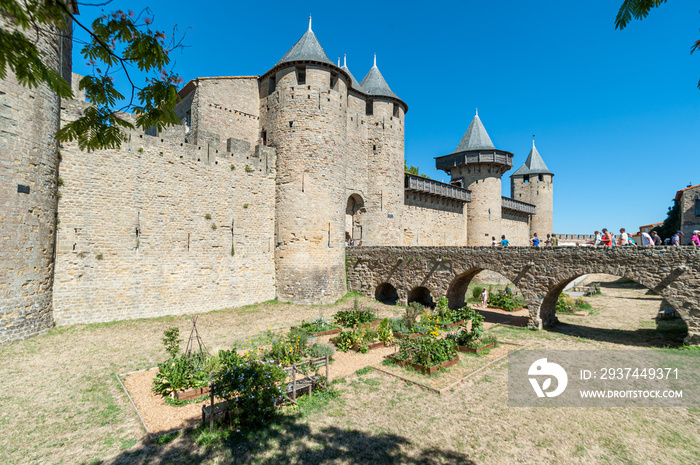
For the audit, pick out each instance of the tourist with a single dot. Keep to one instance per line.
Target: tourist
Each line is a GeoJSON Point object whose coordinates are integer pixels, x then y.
{"type": "Point", "coordinates": [598, 238]}
{"type": "Point", "coordinates": [631, 242]}
{"type": "Point", "coordinates": [695, 240]}
{"type": "Point", "coordinates": [676, 238]}
{"type": "Point", "coordinates": [555, 241]}
{"type": "Point", "coordinates": [647, 240]}
{"type": "Point", "coordinates": [548, 241]}
{"type": "Point", "coordinates": [656, 237]}
{"type": "Point", "coordinates": [493, 241]}
{"type": "Point", "coordinates": [352, 242]}
{"type": "Point", "coordinates": [607, 238]}
{"type": "Point", "coordinates": [484, 298]}
{"type": "Point", "coordinates": [504, 241]}
{"type": "Point", "coordinates": [535, 241]}
{"type": "Point", "coordinates": [359, 243]}
{"type": "Point", "coordinates": [624, 238]}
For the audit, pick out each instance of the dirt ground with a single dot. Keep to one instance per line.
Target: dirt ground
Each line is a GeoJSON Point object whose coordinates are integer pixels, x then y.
{"type": "Point", "coordinates": [60, 401]}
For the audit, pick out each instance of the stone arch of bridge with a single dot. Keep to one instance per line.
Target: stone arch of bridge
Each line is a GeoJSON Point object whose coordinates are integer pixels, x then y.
{"type": "Point", "coordinates": [386, 293]}
{"type": "Point", "coordinates": [547, 312]}
{"type": "Point", "coordinates": [459, 285]}
{"type": "Point", "coordinates": [422, 295]}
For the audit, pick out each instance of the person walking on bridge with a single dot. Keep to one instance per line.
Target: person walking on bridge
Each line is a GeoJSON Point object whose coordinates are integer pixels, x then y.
{"type": "Point", "coordinates": [656, 237]}
{"type": "Point", "coordinates": [695, 240]}
{"type": "Point", "coordinates": [607, 239]}
{"type": "Point", "coordinates": [535, 241]}
{"type": "Point", "coordinates": [598, 238]}
{"type": "Point", "coordinates": [624, 238]}
{"type": "Point", "coordinates": [676, 239]}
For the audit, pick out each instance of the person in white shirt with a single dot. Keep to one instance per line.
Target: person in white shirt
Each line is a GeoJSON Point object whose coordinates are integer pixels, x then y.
{"type": "Point", "coordinates": [623, 238]}
{"type": "Point", "coordinates": [647, 240]}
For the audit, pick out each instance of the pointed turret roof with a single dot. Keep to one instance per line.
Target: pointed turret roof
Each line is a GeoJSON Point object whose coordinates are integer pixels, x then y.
{"type": "Point", "coordinates": [306, 49]}
{"type": "Point", "coordinates": [533, 165]}
{"type": "Point", "coordinates": [375, 85]}
{"type": "Point", "coordinates": [354, 84]}
{"type": "Point", "coordinates": [476, 137]}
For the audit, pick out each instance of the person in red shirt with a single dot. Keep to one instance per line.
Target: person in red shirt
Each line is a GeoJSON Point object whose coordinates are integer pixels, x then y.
{"type": "Point", "coordinates": [607, 238]}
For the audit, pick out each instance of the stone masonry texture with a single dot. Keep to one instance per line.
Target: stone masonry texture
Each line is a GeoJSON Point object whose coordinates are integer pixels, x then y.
{"type": "Point", "coordinates": [28, 158]}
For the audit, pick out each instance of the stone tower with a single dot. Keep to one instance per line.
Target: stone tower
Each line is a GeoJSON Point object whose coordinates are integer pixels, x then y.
{"type": "Point", "coordinates": [28, 189]}
{"type": "Point", "coordinates": [477, 165]}
{"type": "Point", "coordinates": [385, 120]}
{"type": "Point", "coordinates": [303, 108]}
{"type": "Point", "coordinates": [532, 183]}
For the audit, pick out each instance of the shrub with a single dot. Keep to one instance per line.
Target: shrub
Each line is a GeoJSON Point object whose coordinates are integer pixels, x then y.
{"type": "Point", "coordinates": [318, 325]}
{"type": "Point", "coordinates": [384, 332]}
{"type": "Point", "coordinates": [398, 325]}
{"type": "Point", "coordinates": [252, 391]}
{"type": "Point", "coordinates": [505, 301]}
{"type": "Point", "coordinates": [288, 349]}
{"type": "Point", "coordinates": [353, 318]}
{"type": "Point", "coordinates": [173, 375]}
{"type": "Point", "coordinates": [426, 350]}
{"type": "Point", "coordinates": [321, 350]}
{"type": "Point", "coordinates": [171, 341]}
{"type": "Point", "coordinates": [476, 292]}
{"type": "Point", "coordinates": [464, 336]}
{"type": "Point", "coordinates": [413, 310]}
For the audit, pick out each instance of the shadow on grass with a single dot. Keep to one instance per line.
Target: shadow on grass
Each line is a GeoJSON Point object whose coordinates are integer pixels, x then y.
{"type": "Point", "coordinates": [504, 319]}
{"type": "Point", "coordinates": [667, 333]}
{"type": "Point", "coordinates": [289, 441]}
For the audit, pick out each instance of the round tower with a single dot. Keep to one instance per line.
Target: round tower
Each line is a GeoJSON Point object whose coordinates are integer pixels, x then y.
{"type": "Point", "coordinates": [385, 116]}
{"type": "Point", "coordinates": [533, 183]}
{"type": "Point", "coordinates": [477, 165]}
{"type": "Point", "coordinates": [28, 188]}
{"type": "Point", "coordinates": [303, 115]}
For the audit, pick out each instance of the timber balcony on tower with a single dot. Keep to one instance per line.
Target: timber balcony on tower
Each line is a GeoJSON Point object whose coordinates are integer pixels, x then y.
{"type": "Point", "coordinates": [440, 189]}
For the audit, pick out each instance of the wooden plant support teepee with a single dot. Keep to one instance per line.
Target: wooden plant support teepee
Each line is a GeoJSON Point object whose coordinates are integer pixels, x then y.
{"type": "Point", "coordinates": [195, 339]}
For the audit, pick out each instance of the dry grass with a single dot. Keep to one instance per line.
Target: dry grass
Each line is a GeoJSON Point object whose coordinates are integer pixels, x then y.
{"type": "Point", "coordinates": [60, 402]}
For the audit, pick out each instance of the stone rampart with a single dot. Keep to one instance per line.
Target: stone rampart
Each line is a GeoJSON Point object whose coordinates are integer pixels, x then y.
{"type": "Point", "coordinates": [541, 273]}
{"type": "Point", "coordinates": [163, 227]}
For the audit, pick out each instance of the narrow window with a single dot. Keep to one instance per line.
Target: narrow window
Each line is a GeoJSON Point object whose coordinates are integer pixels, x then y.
{"type": "Point", "coordinates": [272, 84]}
{"type": "Point", "coordinates": [188, 118]}
{"type": "Point", "coordinates": [396, 110]}
{"type": "Point", "coordinates": [263, 136]}
{"type": "Point", "coordinates": [697, 207]}
{"type": "Point", "coordinates": [334, 80]}
{"type": "Point", "coordinates": [526, 178]}
{"type": "Point", "coordinates": [541, 178]}
{"type": "Point", "coordinates": [369, 108]}
{"type": "Point", "coordinates": [301, 75]}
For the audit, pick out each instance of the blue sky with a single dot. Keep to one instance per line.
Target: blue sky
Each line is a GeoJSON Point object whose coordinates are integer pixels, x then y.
{"type": "Point", "coordinates": [616, 114]}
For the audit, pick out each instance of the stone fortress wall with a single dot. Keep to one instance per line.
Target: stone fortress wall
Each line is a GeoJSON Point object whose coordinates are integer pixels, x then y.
{"type": "Point", "coordinates": [161, 226]}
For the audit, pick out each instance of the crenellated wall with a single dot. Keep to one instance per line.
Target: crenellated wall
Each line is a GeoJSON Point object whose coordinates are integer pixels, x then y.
{"type": "Point", "coordinates": [163, 227]}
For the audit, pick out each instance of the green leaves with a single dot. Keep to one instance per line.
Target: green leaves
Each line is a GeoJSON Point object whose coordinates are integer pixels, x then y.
{"type": "Point", "coordinates": [637, 9]}
{"type": "Point", "coordinates": [119, 43]}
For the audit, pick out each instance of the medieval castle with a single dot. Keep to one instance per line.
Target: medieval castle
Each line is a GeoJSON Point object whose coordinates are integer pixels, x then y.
{"type": "Point", "coordinates": [252, 198]}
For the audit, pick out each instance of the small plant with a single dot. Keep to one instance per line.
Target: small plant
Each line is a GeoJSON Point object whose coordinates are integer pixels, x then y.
{"type": "Point", "coordinates": [233, 250]}
{"type": "Point", "coordinates": [384, 332]}
{"type": "Point", "coordinates": [140, 150]}
{"type": "Point", "coordinates": [321, 350]}
{"type": "Point", "coordinates": [233, 167]}
{"type": "Point", "coordinates": [171, 341]}
{"type": "Point", "coordinates": [213, 226]}
{"type": "Point", "coordinates": [248, 169]}
{"type": "Point", "coordinates": [353, 318]}
{"type": "Point", "coordinates": [60, 181]}
{"type": "Point", "coordinates": [413, 310]}
{"type": "Point", "coordinates": [245, 205]}
{"type": "Point", "coordinates": [426, 350]}
{"type": "Point", "coordinates": [99, 256]}
{"type": "Point", "coordinates": [318, 325]}
{"type": "Point", "coordinates": [467, 337]}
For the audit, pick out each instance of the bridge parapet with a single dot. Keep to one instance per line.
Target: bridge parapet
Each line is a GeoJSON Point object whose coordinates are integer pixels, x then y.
{"type": "Point", "coordinates": [541, 273]}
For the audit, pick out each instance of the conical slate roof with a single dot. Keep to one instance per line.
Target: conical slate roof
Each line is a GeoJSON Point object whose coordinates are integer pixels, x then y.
{"type": "Point", "coordinates": [306, 49]}
{"type": "Point", "coordinates": [476, 138]}
{"type": "Point", "coordinates": [355, 85]}
{"type": "Point", "coordinates": [533, 165]}
{"type": "Point", "coordinates": [375, 85]}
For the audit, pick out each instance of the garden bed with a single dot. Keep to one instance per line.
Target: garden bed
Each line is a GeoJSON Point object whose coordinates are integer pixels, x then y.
{"type": "Point", "coordinates": [322, 333]}
{"type": "Point", "coordinates": [406, 336]}
{"type": "Point", "coordinates": [475, 350]}
{"type": "Point", "coordinates": [194, 393]}
{"type": "Point", "coordinates": [356, 347]}
{"type": "Point", "coordinates": [452, 325]}
{"type": "Point", "coordinates": [427, 370]}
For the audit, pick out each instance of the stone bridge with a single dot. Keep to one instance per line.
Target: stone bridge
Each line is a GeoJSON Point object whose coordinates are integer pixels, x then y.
{"type": "Point", "coordinates": [541, 273]}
